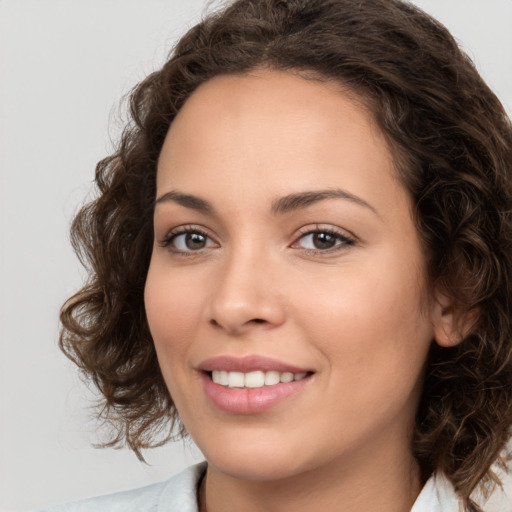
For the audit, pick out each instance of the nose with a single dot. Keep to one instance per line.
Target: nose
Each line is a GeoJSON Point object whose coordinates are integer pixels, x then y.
{"type": "Point", "coordinates": [246, 295]}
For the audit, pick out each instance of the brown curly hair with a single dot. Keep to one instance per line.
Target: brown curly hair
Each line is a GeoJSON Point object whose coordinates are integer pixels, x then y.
{"type": "Point", "coordinates": [452, 141]}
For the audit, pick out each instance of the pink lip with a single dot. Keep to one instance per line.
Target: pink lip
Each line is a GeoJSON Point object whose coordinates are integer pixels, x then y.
{"type": "Point", "coordinates": [244, 400]}
{"type": "Point", "coordinates": [248, 364]}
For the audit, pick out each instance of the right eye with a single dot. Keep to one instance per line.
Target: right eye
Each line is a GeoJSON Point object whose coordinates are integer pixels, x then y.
{"type": "Point", "coordinates": [188, 241]}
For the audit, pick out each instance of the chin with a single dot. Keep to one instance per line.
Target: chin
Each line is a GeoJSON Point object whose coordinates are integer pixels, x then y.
{"type": "Point", "coordinates": [255, 457]}
{"type": "Point", "coordinates": [265, 467]}
{"type": "Point", "coordinates": [261, 461]}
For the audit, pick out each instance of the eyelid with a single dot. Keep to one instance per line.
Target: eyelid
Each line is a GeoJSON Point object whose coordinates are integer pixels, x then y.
{"type": "Point", "coordinates": [344, 237]}
{"type": "Point", "coordinates": [166, 241]}
{"type": "Point", "coordinates": [347, 238]}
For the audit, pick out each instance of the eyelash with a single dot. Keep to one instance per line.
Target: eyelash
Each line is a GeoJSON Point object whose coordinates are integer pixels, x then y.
{"type": "Point", "coordinates": [341, 238]}
{"type": "Point", "coordinates": [183, 230]}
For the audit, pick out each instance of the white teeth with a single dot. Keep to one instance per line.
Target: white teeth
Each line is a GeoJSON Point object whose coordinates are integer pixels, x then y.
{"type": "Point", "coordinates": [272, 378]}
{"type": "Point", "coordinates": [236, 380]}
{"type": "Point", "coordinates": [256, 379]}
{"type": "Point", "coordinates": [286, 377]}
{"type": "Point", "coordinates": [220, 377]}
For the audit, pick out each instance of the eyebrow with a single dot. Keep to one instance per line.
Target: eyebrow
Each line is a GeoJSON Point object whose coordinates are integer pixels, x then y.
{"type": "Point", "coordinates": [187, 200]}
{"type": "Point", "coordinates": [301, 200]}
{"type": "Point", "coordinates": [282, 205]}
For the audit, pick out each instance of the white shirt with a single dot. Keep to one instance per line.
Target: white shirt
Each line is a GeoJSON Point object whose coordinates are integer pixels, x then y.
{"type": "Point", "coordinates": [437, 495]}
{"type": "Point", "coordinates": [179, 494]}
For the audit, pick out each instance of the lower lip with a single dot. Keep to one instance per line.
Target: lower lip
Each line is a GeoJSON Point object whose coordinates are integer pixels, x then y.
{"type": "Point", "coordinates": [250, 400]}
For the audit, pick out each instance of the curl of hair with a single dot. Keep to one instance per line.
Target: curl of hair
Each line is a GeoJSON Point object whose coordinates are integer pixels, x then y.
{"type": "Point", "coordinates": [452, 142]}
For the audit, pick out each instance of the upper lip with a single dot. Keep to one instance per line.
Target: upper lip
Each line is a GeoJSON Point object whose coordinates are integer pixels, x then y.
{"type": "Point", "coordinates": [248, 364]}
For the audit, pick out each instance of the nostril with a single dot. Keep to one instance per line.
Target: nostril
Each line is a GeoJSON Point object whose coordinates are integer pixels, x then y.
{"type": "Point", "coordinates": [236, 325]}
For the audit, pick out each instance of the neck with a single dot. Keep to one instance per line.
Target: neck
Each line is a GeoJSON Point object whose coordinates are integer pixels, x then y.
{"type": "Point", "coordinates": [390, 485]}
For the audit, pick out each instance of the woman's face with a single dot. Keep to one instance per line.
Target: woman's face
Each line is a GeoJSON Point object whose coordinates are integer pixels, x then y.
{"type": "Point", "coordinates": [285, 249]}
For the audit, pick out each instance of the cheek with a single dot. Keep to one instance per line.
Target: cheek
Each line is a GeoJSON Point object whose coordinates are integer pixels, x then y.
{"type": "Point", "coordinates": [173, 306]}
{"type": "Point", "coordinates": [369, 321]}
{"type": "Point", "coordinates": [354, 295]}
{"type": "Point", "coordinates": [374, 340]}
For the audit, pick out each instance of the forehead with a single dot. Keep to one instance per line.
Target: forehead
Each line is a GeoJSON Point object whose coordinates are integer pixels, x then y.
{"type": "Point", "coordinates": [280, 101]}
{"type": "Point", "coordinates": [276, 129]}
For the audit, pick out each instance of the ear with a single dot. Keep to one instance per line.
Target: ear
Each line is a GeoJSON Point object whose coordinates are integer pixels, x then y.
{"type": "Point", "coordinates": [450, 321]}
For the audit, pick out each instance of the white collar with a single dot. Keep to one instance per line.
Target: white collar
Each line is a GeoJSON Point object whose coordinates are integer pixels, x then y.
{"type": "Point", "coordinates": [180, 494]}
{"type": "Point", "coordinates": [438, 495]}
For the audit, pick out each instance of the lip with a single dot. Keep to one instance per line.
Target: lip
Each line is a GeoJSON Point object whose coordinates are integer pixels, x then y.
{"type": "Point", "coordinates": [246, 401]}
{"type": "Point", "coordinates": [249, 364]}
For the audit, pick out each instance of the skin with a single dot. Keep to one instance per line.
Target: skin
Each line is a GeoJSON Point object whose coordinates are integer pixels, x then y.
{"type": "Point", "coordinates": [357, 314]}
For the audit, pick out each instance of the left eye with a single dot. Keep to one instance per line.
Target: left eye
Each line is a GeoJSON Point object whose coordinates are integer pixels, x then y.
{"type": "Point", "coordinates": [322, 240]}
{"type": "Point", "coordinates": [190, 241]}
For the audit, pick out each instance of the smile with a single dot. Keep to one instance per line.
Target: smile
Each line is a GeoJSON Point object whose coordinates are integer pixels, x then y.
{"type": "Point", "coordinates": [254, 379]}
{"type": "Point", "coordinates": [252, 384]}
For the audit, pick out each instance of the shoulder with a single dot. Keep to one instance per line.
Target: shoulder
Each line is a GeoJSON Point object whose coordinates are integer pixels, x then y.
{"type": "Point", "coordinates": [175, 495]}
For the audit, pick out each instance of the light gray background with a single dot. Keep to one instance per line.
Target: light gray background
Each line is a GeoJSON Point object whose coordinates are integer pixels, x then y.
{"type": "Point", "coordinates": [64, 64]}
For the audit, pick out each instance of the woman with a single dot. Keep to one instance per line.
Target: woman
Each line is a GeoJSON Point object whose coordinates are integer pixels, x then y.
{"type": "Point", "coordinates": [300, 256]}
